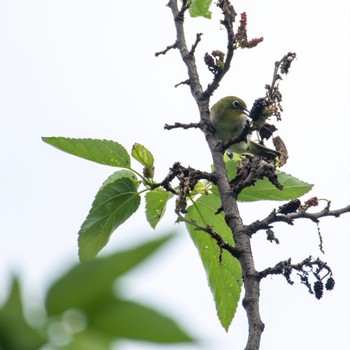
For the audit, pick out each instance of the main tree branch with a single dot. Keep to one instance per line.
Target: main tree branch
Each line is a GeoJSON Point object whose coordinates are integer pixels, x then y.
{"type": "Point", "coordinates": [219, 64]}
{"type": "Point", "coordinates": [233, 219]}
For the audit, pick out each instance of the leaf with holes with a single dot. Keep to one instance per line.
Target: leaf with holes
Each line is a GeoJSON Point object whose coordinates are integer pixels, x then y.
{"type": "Point", "coordinates": [156, 201]}
{"type": "Point", "coordinates": [142, 155]}
{"type": "Point", "coordinates": [200, 8]}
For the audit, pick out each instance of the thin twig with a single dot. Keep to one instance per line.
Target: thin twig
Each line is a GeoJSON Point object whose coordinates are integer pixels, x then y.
{"type": "Point", "coordinates": [194, 46]}
{"type": "Point", "coordinates": [173, 46]}
{"type": "Point", "coordinates": [185, 82]}
{"type": "Point", "coordinates": [273, 217]}
{"type": "Point", "coordinates": [182, 126]}
{"type": "Point", "coordinates": [311, 272]}
{"type": "Point", "coordinates": [219, 240]}
{"type": "Point", "coordinates": [229, 17]}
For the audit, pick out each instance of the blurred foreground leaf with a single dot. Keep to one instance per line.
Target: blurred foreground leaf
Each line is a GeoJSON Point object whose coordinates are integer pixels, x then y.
{"type": "Point", "coordinates": [85, 283]}
{"type": "Point", "coordinates": [127, 319]}
{"type": "Point", "coordinates": [89, 288]}
{"type": "Point", "coordinates": [15, 333]}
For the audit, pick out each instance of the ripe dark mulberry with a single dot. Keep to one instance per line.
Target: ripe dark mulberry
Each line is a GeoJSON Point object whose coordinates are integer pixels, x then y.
{"type": "Point", "coordinates": [330, 283]}
{"type": "Point", "coordinates": [318, 289]}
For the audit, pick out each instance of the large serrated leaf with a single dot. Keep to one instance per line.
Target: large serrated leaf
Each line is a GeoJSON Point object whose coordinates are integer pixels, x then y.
{"type": "Point", "coordinates": [86, 283]}
{"type": "Point", "coordinates": [121, 174]}
{"type": "Point", "coordinates": [156, 201]}
{"type": "Point", "coordinates": [100, 151]}
{"type": "Point", "coordinates": [113, 204]}
{"type": "Point", "coordinates": [225, 277]}
{"type": "Point", "coordinates": [200, 8]}
{"type": "Point", "coordinates": [265, 190]}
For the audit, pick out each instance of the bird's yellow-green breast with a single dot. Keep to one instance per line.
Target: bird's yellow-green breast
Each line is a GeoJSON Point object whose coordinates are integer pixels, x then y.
{"type": "Point", "coordinates": [228, 117]}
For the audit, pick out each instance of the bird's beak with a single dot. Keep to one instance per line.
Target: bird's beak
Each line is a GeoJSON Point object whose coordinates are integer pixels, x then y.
{"type": "Point", "coordinates": [246, 111]}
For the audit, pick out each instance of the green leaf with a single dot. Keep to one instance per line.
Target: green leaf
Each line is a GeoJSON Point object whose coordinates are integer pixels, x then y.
{"type": "Point", "coordinates": [265, 190]}
{"type": "Point", "coordinates": [225, 277]}
{"type": "Point", "coordinates": [86, 283]}
{"type": "Point", "coordinates": [200, 8]}
{"type": "Point", "coordinates": [127, 319]}
{"type": "Point", "coordinates": [156, 201]}
{"type": "Point", "coordinates": [201, 187]}
{"type": "Point", "coordinates": [15, 333]}
{"type": "Point", "coordinates": [121, 174]}
{"type": "Point", "coordinates": [231, 169]}
{"type": "Point", "coordinates": [90, 339]}
{"type": "Point", "coordinates": [90, 288]}
{"type": "Point", "coordinates": [113, 204]}
{"type": "Point", "coordinates": [142, 155]}
{"type": "Point", "coordinates": [100, 151]}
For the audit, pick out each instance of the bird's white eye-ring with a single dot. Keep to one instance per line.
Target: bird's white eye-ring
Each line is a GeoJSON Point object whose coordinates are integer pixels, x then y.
{"type": "Point", "coordinates": [236, 104]}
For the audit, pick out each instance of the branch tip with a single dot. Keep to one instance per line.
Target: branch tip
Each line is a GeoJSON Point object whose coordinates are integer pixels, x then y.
{"type": "Point", "coordinates": [168, 48]}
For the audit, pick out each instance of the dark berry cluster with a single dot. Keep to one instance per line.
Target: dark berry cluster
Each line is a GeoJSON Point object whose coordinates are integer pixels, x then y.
{"type": "Point", "coordinates": [290, 207]}
{"type": "Point", "coordinates": [295, 205]}
{"type": "Point", "coordinates": [318, 287]}
{"type": "Point", "coordinates": [215, 61]}
{"type": "Point", "coordinates": [330, 283]}
{"type": "Point", "coordinates": [258, 108]}
{"type": "Point", "coordinates": [319, 270]}
{"type": "Point", "coordinates": [311, 272]}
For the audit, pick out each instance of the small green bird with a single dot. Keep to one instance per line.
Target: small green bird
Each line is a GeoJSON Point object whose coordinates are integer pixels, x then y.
{"type": "Point", "coordinates": [229, 118]}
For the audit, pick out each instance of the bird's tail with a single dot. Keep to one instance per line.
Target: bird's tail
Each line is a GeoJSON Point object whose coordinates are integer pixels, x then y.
{"type": "Point", "coordinates": [260, 150]}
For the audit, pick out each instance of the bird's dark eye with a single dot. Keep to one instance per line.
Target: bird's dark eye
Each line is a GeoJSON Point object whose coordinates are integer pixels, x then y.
{"type": "Point", "coordinates": [236, 104]}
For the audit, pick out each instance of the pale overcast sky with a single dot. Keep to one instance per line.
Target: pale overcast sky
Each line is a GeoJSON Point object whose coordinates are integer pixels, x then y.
{"type": "Point", "coordinates": [87, 69]}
